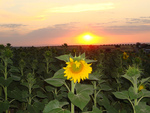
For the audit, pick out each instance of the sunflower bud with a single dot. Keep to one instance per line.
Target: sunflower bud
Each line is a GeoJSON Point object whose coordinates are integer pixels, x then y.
{"type": "Point", "coordinates": [30, 79]}
{"type": "Point", "coordinates": [125, 56]}
{"type": "Point", "coordinates": [23, 54]}
{"type": "Point", "coordinates": [120, 70]}
{"type": "Point", "coordinates": [133, 71]}
{"type": "Point", "coordinates": [2, 47]}
{"type": "Point", "coordinates": [48, 54]}
{"type": "Point", "coordinates": [141, 87]}
{"type": "Point", "coordinates": [34, 63]}
{"type": "Point", "coordinates": [7, 53]}
{"type": "Point", "coordinates": [137, 60]}
{"type": "Point", "coordinates": [22, 63]}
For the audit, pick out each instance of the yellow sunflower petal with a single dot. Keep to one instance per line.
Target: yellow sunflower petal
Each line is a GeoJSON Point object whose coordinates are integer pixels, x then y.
{"type": "Point", "coordinates": [71, 60]}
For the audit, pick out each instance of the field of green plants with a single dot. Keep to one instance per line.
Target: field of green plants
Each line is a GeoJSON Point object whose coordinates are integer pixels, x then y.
{"type": "Point", "coordinates": [32, 81]}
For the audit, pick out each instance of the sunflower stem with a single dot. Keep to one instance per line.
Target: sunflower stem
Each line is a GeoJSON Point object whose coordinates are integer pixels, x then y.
{"type": "Point", "coordinates": [72, 90]}
{"type": "Point", "coordinates": [95, 93]}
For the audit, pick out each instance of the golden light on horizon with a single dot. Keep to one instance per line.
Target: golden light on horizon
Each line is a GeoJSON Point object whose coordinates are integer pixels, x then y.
{"type": "Point", "coordinates": [89, 38]}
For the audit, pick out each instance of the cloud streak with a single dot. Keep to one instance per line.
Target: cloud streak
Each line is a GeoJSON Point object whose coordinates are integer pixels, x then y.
{"type": "Point", "coordinates": [127, 30]}
{"type": "Point", "coordinates": [11, 25]}
{"type": "Point", "coordinates": [141, 20]}
{"type": "Point", "coordinates": [82, 8]}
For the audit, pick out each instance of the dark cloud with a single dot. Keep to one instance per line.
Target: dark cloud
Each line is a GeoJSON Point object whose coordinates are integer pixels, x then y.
{"type": "Point", "coordinates": [132, 26]}
{"type": "Point", "coordinates": [61, 25]}
{"type": "Point", "coordinates": [47, 35]}
{"type": "Point", "coordinates": [49, 32]}
{"type": "Point", "coordinates": [39, 36]}
{"type": "Point", "coordinates": [57, 30]}
{"type": "Point", "coordinates": [141, 20]}
{"type": "Point", "coordinates": [126, 30]}
{"type": "Point", "coordinates": [11, 25]}
{"type": "Point", "coordinates": [66, 25]}
{"type": "Point", "coordinates": [145, 17]}
{"type": "Point", "coordinates": [110, 22]}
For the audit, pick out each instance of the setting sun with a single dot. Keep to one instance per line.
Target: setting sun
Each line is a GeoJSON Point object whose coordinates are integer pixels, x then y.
{"type": "Point", "coordinates": [88, 38]}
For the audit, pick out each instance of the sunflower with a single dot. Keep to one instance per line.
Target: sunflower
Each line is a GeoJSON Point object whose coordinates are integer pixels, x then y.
{"type": "Point", "coordinates": [77, 69]}
{"type": "Point", "coordinates": [141, 87]}
{"type": "Point", "coordinates": [125, 56]}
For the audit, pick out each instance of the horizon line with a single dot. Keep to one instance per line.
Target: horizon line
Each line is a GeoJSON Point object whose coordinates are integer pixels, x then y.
{"type": "Point", "coordinates": [84, 44]}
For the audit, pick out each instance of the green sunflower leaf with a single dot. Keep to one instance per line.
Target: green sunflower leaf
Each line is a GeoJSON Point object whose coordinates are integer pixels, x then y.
{"type": "Point", "coordinates": [5, 82]}
{"type": "Point", "coordinates": [89, 61]}
{"type": "Point", "coordinates": [64, 57]}
{"type": "Point", "coordinates": [55, 106]}
{"type": "Point", "coordinates": [51, 105]}
{"type": "Point", "coordinates": [4, 106]}
{"type": "Point", "coordinates": [59, 110]}
{"type": "Point", "coordinates": [145, 93]}
{"type": "Point", "coordinates": [142, 108]}
{"type": "Point", "coordinates": [84, 88]}
{"type": "Point", "coordinates": [59, 74]}
{"type": "Point", "coordinates": [80, 100]}
{"type": "Point", "coordinates": [121, 95]}
{"type": "Point", "coordinates": [82, 56]}
{"type": "Point", "coordinates": [55, 81]}
{"type": "Point", "coordinates": [95, 110]}
{"type": "Point", "coordinates": [132, 93]}
{"type": "Point", "coordinates": [145, 80]}
{"type": "Point", "coordinates": [93, 77]}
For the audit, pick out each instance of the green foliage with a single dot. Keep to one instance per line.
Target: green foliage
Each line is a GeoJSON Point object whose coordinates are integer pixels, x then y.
{"type": "Point", "coordinates": [80, 88]}
{"type": "Point", "coordinates": [142, 108]}
{"type": "Point", "coordinates": [4, 106]}
{"type": "Point", "coordinates": [59, 74]}
{"type": "Point", "coordinates": [32, 80]}
{"type": "Point", "coordinates": [55, 81]}
{"type": "Point", "coordinates": [80, 99]}
{"type": "Point", "coordinates": [95, 110]}
{"type": "Point", "coordinates": [133, 95]}
{"type": "Point", "coordinates": [5, 82]}
{"type": "Point", "coordinates": [58, 79]}
{"type": "Point", "coordinates": [104, 101]}
{"type": "Point", "coordinates": [55, 106]}
{"type": "Point", "coordinates": [64, 57]}
{"type": "Point", "coordinates": [6, 53]}
{"type": "Point", "coordinates": [121, 95]}
{"type": "Point", "coordinates": [133, 71]}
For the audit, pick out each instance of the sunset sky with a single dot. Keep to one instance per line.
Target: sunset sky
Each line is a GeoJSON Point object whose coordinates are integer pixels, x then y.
{"type": "Point", "coordinates": [55, 22]}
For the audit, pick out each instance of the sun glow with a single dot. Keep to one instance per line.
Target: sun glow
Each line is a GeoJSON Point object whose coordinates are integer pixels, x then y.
{"type": "Point", "coordinates": [88, 38]}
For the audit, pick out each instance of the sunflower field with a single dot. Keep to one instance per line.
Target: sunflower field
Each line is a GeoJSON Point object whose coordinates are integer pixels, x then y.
{"type": "Point", "coordinates": [74, 80]}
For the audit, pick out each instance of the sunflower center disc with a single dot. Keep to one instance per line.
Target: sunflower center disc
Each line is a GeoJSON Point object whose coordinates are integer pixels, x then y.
{"type": "Point", "coordinates": [76, 67]}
